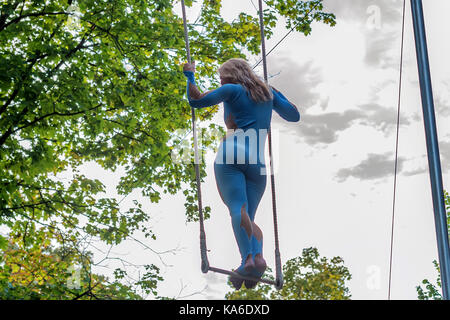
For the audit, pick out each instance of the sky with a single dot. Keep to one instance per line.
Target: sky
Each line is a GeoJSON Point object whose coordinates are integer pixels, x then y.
{"type": "Point", "coordinates": [333, 169]}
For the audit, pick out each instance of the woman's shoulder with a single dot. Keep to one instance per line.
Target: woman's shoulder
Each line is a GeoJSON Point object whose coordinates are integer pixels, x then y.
{"type": "Point", "coordinates": [233, 90]}
{"type": "Point", "coordinates": [233, 86]}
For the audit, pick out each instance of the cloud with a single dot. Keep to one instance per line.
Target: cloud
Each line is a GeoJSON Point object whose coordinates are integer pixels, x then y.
{"type": "Point", "coordinates": [419, 165]}
{"type": "Point", "coordinates": [415, 172]}
{"type": "Point", "coordinates": [297, 81]}
{"type": "Point", "coordinates": [375, 166]}
{"type": "Point", "coordinates": [378, 166]}
{"type": "Point", "coordinates": [380, 22]}
{"type": "Point", "coordinates": [444, 150]}
{"type": "Point", "coordinates": [378, 49]}
{"type": "Point", "coordinates": [442, 106]}
{"type": "Point", "coordinates": [325, 128]}
{"type": "Point", "coordinates": [382, 118]}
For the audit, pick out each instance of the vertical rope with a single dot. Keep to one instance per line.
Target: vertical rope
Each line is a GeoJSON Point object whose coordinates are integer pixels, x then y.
{"type": "Point", "coordinates": [278, 271]}
{"type": "Point", "coordinates": [396, 152]}
{"type": "Point", "coordinates": [203, 249]}
{"type": "Point", "coordinates": [186, 35]}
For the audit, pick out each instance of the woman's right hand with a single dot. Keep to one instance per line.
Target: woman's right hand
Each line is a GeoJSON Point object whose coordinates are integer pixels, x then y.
{"type": "Point", "coordinates": [189, 67]}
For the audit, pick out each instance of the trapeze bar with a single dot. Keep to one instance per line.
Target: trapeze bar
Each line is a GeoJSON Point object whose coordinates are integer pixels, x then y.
{"type": "Point", "coordinates": [237, 275]}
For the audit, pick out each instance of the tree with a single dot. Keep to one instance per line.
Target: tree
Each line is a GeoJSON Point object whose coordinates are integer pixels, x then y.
{"type": "Point", "coordinates": [431, 291]}
{"type": "Point", "coordinates": [101, 81]}
{"type": "Point", "coordinates": [31, 268]}
{"type": "Point", "coordinates": [308, 277]}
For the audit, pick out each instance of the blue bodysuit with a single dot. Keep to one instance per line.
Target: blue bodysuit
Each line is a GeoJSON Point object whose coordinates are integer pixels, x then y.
{"type": "Point", "coordinates": [239, 166]}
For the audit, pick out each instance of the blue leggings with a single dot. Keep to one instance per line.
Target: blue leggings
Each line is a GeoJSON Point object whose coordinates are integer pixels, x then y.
{"type": "Point", "coordinates": [241, 187]}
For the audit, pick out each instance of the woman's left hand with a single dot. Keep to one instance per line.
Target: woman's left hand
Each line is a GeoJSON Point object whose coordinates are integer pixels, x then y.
{"type": "Point", "coordinates": [189, 67]}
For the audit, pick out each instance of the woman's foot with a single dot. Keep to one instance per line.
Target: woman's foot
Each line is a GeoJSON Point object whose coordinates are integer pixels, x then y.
{"type": "Point", "coordinates": [236, 282]}
{"type": "Point", "coordinates": [257, 272]}
{"type": "Point", "coordinates": [260, 265]}
{"type": "Point", "coordinates": [250, 284]}
{"type": "Point", "coordinates": [245, 269]}
{"type": "Point", "coordinates": [249, 264]}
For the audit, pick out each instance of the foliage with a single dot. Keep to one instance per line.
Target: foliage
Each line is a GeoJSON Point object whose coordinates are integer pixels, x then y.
{"type": "Point", "coordinates": [100, 81]}
{"type": "Point", "coordinates": [431, 291]}
{"type": "Point", "coordinates": [300, 14]}
{"type": "Point", "coordinates": [308, 277]}
{"type": "Point", "coordinates": [32, 268]}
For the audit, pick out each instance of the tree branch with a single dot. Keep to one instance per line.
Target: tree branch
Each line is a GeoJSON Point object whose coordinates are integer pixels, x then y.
{"type": "Point", "coordinates": [86, 292]}
{"type": "Point", "coordinates": [10, 130]}
{"type": "Point", "coordinates": [53, 114]}
{"type": "Point", "coordinates": [5, 16]}
{"type": "Point", "coordinates": [37, 14]}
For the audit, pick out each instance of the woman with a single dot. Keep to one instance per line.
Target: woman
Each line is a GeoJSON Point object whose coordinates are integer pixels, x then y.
{"type": "Point", "coordinates": [248, 104]}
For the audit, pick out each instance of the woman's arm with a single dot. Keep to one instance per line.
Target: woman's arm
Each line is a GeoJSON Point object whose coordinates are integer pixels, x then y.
{"type": "Point", "coordinates": [197, 99]}
{"type": "Point", "coordinates": [287, 110]}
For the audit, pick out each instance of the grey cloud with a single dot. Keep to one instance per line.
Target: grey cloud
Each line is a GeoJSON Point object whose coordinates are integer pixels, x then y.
{"type": "Point", "coordinates": [324, 103]}
{"type": "Point", "coordinates": [380, 117]}
{"type": "Point", "coordinates": [444, 150]}
{"type": "Point", "coordinates": [415, 172]}
{"type": "Point", "coordinates": [325, 128]}
{"type": "Point", "coordinates": [378, 46]}
{"type": "Point", "coordinates": [297, 81]}
{"type": "Point", "coordinates": [376, 166]}
{"type": "Point", "coordinates": [379, 39]}
{"type": "Point", "coordinates": [442, 106]}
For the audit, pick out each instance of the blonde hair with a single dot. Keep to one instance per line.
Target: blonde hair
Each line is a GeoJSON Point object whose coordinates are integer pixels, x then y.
{"type": "Point", "coordinates": [237, 70]}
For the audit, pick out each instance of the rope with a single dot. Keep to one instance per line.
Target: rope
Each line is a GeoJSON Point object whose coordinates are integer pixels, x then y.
{"type": "Point", "coordinates": [276, 45]}
{"type": "Point", "coordinates": [396, 152]}
{"type": "Point", "coordinates": [203, 250]}
{"type": "Point", "coordinates": [278, 272]}
{"type": "Point", "coordinates": [288, 33]}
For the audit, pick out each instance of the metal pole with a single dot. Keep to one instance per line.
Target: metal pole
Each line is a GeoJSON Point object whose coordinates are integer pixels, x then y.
{"type": "Point", "coordinates": [434, 163]}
